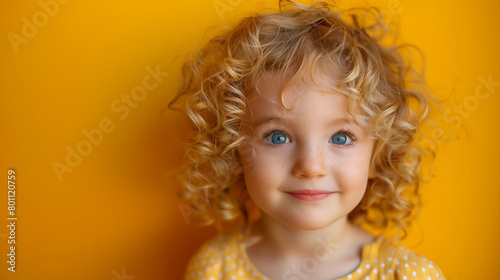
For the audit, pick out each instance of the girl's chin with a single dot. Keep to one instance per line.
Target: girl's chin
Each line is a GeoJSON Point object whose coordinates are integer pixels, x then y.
{"type": "Point", "coordinates": [309, 224]}
{"type": "Point", "coordinates": [304, 221]}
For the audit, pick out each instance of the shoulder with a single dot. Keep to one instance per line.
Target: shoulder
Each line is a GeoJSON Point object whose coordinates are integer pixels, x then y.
{"type": "Point", "coordinates": [213, 257]}
{"type": "Point", "coordinates": [401, 263]}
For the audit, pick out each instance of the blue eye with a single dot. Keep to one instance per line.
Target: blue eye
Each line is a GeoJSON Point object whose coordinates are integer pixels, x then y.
{"type": "Point", "coordinates": [341, 139]}
{"type": "Point", "coordinates": [277, 138]}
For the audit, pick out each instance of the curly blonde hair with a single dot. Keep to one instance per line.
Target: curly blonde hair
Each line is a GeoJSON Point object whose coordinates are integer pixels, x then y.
{"type": "Point", "coordinates": [301, 39]}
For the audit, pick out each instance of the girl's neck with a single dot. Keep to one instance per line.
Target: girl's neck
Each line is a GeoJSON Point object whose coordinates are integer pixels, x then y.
{"type": "Point", "coordinates": [335, 239]}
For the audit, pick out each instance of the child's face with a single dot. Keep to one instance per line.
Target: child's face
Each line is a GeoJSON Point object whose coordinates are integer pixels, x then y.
{"type": "Point", "coordinates": [308, 148]}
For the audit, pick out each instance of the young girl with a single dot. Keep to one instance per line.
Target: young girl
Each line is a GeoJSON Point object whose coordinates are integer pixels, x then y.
{"type": "Point", "coordinates": [306, 116]}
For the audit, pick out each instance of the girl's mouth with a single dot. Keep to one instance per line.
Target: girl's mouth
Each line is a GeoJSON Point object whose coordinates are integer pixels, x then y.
{"type": "Point", "coordinates": [310, 195]}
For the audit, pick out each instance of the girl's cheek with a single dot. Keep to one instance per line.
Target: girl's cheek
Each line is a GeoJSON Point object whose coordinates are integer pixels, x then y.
{"type": "Point", "coordinates": [351, 166]}
{"type": "Point", "coordinates": [258, 158]}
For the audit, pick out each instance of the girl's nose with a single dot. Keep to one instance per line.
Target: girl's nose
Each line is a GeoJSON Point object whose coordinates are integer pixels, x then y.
{"type": "Point", "coordinates": [310, 163]}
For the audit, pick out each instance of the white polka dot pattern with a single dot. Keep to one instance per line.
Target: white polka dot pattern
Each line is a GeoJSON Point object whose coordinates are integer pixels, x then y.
{"type": "Point", "coordinates": [224, 257]}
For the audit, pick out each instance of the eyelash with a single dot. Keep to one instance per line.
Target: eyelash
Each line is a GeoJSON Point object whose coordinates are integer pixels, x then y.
{"type": "Point", "coordinates": [345, 131]}
{"type": "Point", "coordinates": [349, 134]}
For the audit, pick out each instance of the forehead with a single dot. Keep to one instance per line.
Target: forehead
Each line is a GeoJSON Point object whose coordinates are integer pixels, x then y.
{"type": "Point", "coordinates": [301, 96]}
{"type": "Point", "coordinates": [314, 77]}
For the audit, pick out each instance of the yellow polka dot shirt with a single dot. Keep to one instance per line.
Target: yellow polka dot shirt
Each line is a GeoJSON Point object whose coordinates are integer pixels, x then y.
{"type": "Point", "coordinates": [225, 257]}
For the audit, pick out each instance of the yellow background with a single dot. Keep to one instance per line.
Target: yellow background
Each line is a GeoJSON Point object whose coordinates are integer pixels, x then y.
{"type": "Point", "coordinates": [116, 212]}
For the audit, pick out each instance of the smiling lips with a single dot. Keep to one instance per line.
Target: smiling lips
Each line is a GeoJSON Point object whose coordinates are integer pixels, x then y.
{"type": "Point", "coordinates": [310, 195]}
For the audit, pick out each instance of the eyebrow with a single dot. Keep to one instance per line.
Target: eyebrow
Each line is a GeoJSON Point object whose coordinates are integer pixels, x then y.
{"type": "Point", "coordinates": [338, 121]}
{"type": "Point", "coordinates": [269, 119]}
